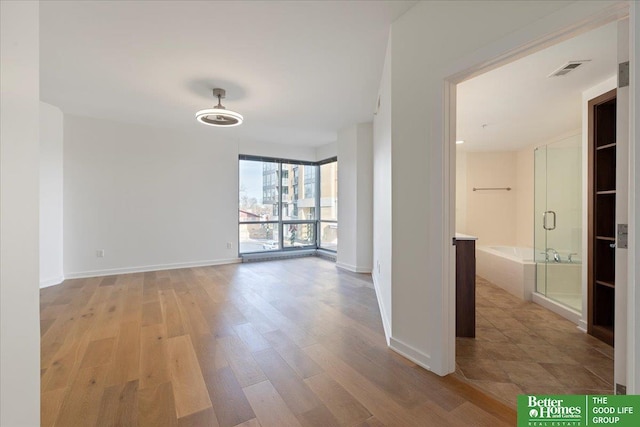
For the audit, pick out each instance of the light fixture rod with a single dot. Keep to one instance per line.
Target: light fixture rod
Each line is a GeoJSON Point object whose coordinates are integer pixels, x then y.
{"type": "Point", "coordinates": [220, 93]}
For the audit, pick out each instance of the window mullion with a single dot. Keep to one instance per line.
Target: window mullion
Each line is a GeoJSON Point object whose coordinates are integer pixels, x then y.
{"type": "Point", "coordinates": [279, 187]}
{"type": "Point", "coordinates": [318, 215]}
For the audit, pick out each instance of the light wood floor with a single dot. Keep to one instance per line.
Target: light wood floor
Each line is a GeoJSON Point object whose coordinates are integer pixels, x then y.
{"type": "Point", "coordinates": [271, 344]}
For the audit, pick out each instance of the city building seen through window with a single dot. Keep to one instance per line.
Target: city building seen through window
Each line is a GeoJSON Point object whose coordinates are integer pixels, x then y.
{"type": "Point", "coordinates": [287, 205]}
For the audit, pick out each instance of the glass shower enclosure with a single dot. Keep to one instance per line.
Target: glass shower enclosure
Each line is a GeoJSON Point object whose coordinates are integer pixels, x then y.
{"type": "Point", "coordinates": [558, 221]}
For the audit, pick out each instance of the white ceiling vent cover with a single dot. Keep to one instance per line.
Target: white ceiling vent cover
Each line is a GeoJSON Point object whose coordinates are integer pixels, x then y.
{"type": "Point", "coordinates": [567, 68]}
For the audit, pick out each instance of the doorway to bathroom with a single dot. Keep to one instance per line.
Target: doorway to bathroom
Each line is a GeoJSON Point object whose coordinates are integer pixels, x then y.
{"type": "Point", "coordinates": [521, 189]}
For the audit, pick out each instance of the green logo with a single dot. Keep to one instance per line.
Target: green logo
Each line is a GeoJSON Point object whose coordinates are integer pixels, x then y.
{"type": "Point", "coordinates": [578, 411]}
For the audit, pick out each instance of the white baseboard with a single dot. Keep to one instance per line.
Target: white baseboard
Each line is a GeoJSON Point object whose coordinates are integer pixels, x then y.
{"type": "Point", "coordinates": [411, 353]}
{"type": "Point", "coordinates": [142, 269]}
{"type": "Point", "coordinates": [566, 312]}
{"type": "Point", "coordinates": [353, 268]}
{"type": "Point", "coordinates": [45, 283]}
{"type": "Point", "coordinates": [582, 325]}
{"type": "Point", "coordinates": [383, 313]}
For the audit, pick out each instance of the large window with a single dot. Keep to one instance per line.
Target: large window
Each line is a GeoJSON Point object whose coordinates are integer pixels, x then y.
{"type": "Point", "coordinates": [258, 211]}
{"type": "Point", "coordinates": [282, 205]}
{"type": "Point", "coordinates": [328, 238]}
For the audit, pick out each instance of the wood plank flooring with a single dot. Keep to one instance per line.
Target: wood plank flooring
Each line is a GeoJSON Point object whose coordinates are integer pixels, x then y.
{"type": "Point", "coordinates": [271, 344]}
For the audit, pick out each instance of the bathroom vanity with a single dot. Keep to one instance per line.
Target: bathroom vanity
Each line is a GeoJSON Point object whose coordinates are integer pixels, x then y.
{"type": "Point", "coordinates": [465, 285]}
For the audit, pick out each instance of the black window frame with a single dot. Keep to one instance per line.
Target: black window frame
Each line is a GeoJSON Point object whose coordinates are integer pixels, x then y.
{"type": "Point", "coordinates": [316, 222]}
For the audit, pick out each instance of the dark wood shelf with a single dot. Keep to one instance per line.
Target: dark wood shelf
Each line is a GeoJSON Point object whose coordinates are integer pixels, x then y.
{"type": "Point", "coordinates": [602, 216]}
{"type": "Point", "coordinates": [607, 284]}
{"type": "Point", "coordinates": [603, 333]}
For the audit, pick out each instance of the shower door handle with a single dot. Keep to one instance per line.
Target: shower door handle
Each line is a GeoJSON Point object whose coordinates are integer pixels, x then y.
{"type": "Point", "coordinates": [544, 220]}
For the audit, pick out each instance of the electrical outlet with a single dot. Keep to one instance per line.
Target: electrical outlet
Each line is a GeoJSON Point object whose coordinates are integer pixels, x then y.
{"type": "Point", "coordinates": [100, 253]}
{"type": "Point", "coordinates": [229, 245]}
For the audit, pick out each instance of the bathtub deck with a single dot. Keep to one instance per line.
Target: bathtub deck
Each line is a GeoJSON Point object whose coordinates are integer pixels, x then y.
{"type": "Point", "coordinates": [515, 275]}
{"type": "Point", "coordinates": [522, 348]}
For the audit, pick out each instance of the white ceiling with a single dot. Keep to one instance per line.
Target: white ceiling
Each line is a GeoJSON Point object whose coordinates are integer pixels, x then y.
{"type": "Point", "coordinates": [521, 106]}
{"type": "Point", "coordinates": [297, 71]}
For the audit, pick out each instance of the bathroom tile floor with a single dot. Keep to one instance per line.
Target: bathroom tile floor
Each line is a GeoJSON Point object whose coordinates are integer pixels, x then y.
{"type": "Point", "coordinates": [523, 348]}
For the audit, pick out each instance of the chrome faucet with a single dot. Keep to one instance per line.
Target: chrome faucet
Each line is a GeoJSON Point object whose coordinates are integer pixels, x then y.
{"type": "Point", "coordinates": [556, 255]}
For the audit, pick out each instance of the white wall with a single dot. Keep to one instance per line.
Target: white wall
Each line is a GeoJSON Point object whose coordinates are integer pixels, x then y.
{"type": "Point", "coordinates": [524, 197]}
{"type": "Point", "coordinates": [355, 205]}
{"type": "Point", "coordinates": [347, 197]}
{"type": "Point", "coordinates": [633, 331]}
{"type": "Point", "coordinates": [326, 151]}
{"type": "Point", "coordinates": [381, 273]}
{"type": "Point", "coordinates": [19, 194]}
{"type": "Point", "coordinates": [280, 151]}
{"type": "Point", "coordinates": [51, 182]}
{"type": "Point", "coordinates": [491, 214]}
{"type": "Point", "coordinates": [421, 62]}
{"type": "Point", "coordinates": [633, 367]}
{"type": "Point", "coordinates": [461, 192]}
{"type": "Point", "coordinates": [151, 198]}
{"type": "Point", "coordinates": [496, 217]}
{"type": "Point", "coordinates": [364, 194]}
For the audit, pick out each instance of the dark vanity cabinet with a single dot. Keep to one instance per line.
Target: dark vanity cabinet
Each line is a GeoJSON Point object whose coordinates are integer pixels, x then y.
{"type": "Point", "coordinates": [465, 286]}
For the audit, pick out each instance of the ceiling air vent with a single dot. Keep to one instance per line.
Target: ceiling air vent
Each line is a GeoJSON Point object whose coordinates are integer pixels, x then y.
{"type": "Point", "coordinates": [567, 68]}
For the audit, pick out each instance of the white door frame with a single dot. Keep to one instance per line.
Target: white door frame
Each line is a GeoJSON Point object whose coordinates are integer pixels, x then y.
{"type": "Point", "coordinates": [512, 48]}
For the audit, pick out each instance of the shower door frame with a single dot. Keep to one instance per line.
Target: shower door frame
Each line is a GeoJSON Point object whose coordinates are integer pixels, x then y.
{"type": "Point", "coordinates": [547, 208]}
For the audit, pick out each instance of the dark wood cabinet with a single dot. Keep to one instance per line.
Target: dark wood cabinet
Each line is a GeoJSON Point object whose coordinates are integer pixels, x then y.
{"type": "Point", "coordinates": [602, 216]}
{"type": "Point", "coordinates": [466, 287]}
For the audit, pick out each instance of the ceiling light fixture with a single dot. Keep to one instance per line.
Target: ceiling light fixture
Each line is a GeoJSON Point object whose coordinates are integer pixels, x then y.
{"type": "Point", "coordinates": [460, 141]}
{"type": "Point", "coordinates": [219, 115]}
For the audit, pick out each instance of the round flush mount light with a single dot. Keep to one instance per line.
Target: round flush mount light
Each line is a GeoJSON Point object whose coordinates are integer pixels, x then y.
{"type": "Point", "coordinates": [460, 141]}
{"type": "Point", "coordinates": [219, 115]}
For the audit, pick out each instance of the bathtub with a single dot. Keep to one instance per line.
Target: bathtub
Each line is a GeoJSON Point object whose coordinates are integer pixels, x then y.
{"type": "Point", "coordinates": [509, 267]}
{"type": "Point", "coordinates": [523, 254]}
